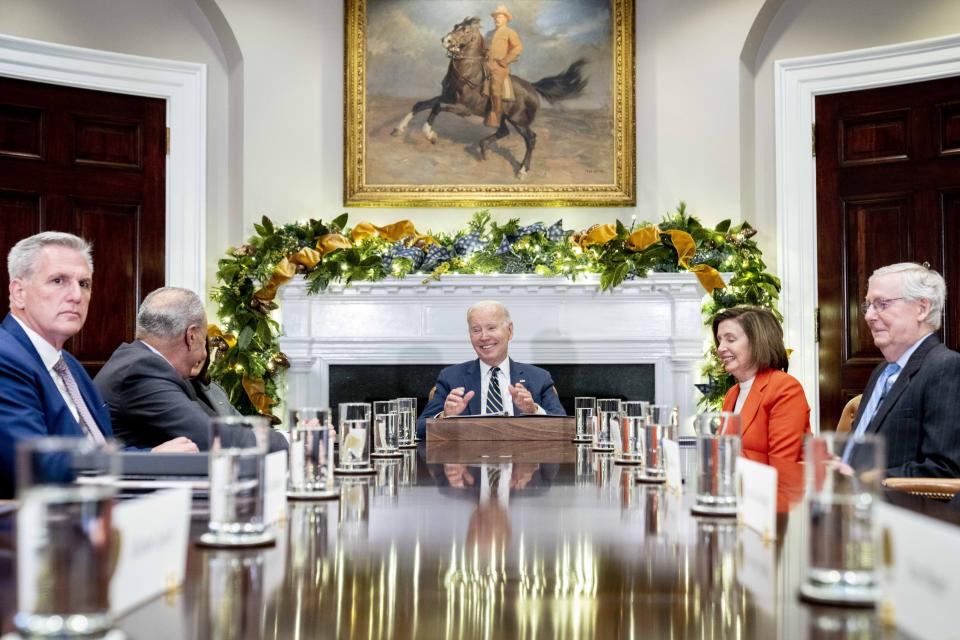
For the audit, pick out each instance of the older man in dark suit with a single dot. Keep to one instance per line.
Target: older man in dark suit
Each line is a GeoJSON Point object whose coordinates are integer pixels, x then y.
{"type": "Point", "coordinates": [148, 383]}
{"type": "Point", "coordinates": [912, 399]}
{"type": "Point", "coordinates": [493, 383]}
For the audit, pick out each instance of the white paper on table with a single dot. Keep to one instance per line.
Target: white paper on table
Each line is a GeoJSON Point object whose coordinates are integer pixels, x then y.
{"type": "Point", "coordinates": [757, 503]}
{"type": "Point", "coordinates": [671, 464]}
{"type": "Point", "coordinates": [153, 536]}
{"type": "Point", "coordinates": [275, 487]}
{"type": "Point", "coordinates": [919, 571]}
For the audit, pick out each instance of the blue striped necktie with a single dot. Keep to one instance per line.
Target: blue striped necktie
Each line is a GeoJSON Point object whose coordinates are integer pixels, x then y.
{"type": "Point", "coordinates": [873, 404]}
{"type": "Point", "coordinates": [494, 399]}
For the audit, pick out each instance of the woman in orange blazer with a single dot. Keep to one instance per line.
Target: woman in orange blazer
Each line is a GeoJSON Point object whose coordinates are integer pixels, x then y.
{"type": "Point", "coordinates": [774, 414]}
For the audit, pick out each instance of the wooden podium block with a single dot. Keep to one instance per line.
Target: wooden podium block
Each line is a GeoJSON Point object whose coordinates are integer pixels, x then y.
{"type": "Point", "coordinates": [501, 428]}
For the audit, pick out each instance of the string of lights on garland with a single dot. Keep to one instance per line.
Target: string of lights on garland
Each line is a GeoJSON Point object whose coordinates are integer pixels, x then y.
{"type": "Point", "coordinates": [248, 362]}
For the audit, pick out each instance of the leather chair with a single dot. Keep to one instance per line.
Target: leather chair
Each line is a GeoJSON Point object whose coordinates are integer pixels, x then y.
{"type": "Point", "coordinates": [935, 488]}
{"type": "Point", "coordinates": [848, 414]}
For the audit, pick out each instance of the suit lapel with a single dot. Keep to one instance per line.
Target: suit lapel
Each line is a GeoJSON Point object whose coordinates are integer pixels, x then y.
{"type": "Point", "coordinates": [516, 373]}
{"type": "Point", "coordinates": [472, 376]}
{"type": "Point", "coordinates": [752, 403]}
{"type": "Point", "coordinates": [903, 381]}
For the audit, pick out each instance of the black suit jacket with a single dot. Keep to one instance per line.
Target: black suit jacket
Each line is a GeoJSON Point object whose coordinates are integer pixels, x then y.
{"type": "Point", "coordinates": [920, 416]}
{"type": "Point", "coordinates": [150, 403]}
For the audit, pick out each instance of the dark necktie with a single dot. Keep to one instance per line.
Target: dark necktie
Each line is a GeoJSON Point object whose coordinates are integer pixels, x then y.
{"type": "Point", "coordinates": [494, 399]}
{"type": "Point", "coordinates": [87, 423]}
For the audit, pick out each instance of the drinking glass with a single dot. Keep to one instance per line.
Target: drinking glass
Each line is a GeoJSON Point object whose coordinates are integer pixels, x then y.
{"type": "Point", "coordinates": [311, 454]}
{"type": "Point", "coordinates": [237, 485]}
{"type": "Point", "coordinates": [631, 432]}
{"type": "Point", "coordinates": [608, 424]}
{"type": "Point", "coordinates": [718, 447]}
{"type": "Point", "coordinates": [66, 545]}
{"type": "Point", "coordinates": [408, 468]}
{"type": "Point", "coordinates": [843, 535]}
{"type": "Point", "coordinates": [355, 438]}
{"type": "Point", "coordinates": [386, 430]}
{"type": "Point", "coordinates": [407, 412]}
{"type": "Point", "coordinates": [585, 410]}
{"type": "Point", "coordinates": [653, 436]}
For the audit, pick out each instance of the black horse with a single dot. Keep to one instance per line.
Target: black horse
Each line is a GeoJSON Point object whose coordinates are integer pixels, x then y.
{"type": "Point", "coordinates": [463, 92]}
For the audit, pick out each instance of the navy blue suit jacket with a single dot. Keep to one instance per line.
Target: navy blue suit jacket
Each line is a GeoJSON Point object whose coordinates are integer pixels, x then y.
{"type": "Point", "coordinates": [467, 375]}
{"type": "Point", "coordinates": [30, 403]}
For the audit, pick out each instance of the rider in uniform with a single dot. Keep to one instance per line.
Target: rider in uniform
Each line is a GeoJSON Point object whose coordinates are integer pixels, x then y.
{"type": "Point", "coordinates": [503, 48]}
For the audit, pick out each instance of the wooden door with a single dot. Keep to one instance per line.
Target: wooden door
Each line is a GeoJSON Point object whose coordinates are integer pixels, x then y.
{"type": "Point", "coordinates": [888, 190]}
{"type": "Point", "coordinates": [90, 163]}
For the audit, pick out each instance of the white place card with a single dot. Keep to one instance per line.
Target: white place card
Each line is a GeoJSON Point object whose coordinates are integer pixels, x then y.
{"type": "Point", "coordinates": [757, 569]}
{"type": "Point", "coordinates": [671, 464]}
{"type": "Point", "coordinates": [919, 571]}
{"type": "Point", "coordinates": [757, 489]}
{"type": "Point", "coordinates": [153, 532]}
{"type": "Point", "coordinates": [275, 481]}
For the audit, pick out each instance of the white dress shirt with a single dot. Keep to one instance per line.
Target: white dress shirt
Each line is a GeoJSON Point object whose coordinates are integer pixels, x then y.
{"type": "Point", "coordinates": [503, 377]}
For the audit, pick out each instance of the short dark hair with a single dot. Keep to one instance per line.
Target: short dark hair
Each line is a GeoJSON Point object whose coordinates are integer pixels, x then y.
{"type": "Point", "coordinates": [763, 331]}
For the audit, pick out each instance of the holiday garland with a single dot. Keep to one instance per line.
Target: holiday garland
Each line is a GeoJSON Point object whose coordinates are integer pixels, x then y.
{"type": "Point", "coordinates": [248, 361]}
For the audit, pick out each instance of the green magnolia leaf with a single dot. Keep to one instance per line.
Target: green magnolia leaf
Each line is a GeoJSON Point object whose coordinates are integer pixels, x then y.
{"type": "Point", "coordinates": [340, 222]}
{"type": "Point", "coordinates": [267, 224]}
{"type": "Point", "coordinates": [260, 229]}
{"type": "Point", "coordinates": [723, 226]}
{"type": "Point", "coordinates": [246, 335]}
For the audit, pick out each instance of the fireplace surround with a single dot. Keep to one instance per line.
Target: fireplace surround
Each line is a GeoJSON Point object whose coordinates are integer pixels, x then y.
{"type": "Point", "coordinates": [654, 321]}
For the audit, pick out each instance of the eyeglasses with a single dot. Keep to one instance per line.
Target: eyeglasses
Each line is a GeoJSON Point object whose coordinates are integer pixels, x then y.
{"type": "Point", "coordinates": [880, 305]}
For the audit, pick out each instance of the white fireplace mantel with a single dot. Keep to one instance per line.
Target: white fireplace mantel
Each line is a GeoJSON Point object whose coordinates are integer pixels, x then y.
{"type": "Point", "coordinates": [652, 320]}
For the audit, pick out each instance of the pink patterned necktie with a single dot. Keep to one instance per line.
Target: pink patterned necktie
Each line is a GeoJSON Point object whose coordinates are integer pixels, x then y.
{"type": "Point", "coordinates": [86, 419]}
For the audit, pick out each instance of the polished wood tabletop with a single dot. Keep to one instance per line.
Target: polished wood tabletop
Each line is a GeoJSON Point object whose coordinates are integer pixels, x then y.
{"type": "Point", "coordinates": [492, 548]}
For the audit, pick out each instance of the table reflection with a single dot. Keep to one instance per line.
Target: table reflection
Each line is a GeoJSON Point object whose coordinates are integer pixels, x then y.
{"type": "Point", "coordinates": [504, 548]}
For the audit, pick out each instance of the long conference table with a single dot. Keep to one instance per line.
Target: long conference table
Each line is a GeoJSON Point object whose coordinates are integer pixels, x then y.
{"type": "Point", "coordinates": [556, 543]}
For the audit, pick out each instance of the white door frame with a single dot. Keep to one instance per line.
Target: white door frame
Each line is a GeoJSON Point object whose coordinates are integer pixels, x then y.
{"type": "Point", "coordinates": [184, 86]}
{"type": "Point", "coordinates": [797, 82]}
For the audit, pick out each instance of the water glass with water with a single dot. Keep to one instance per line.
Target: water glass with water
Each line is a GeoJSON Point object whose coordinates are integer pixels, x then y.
{"type": "Point", "coordinates": [844, 473]}
{"type": "Point", "coordinates": [631, 432]}
{"type": "Point", "coordinates": [311, 454]}
{"type": "Point", "coordinates": [718, 447]}
{"type": "Point", "coordinates": [660, 425]}
{"type": "Point", "coordinates": [237, 488]}
{"type": "Point", "coordinates": [355, 437]}
{"type": "Point", "coordinates": [407, 415]}
{"type": "Point", "coordinates": [66, 544]}
{"type": "Point", "coordinates": [608, 424]}
{"type": "Point", "coordinates": [386, 429]}
{"type": "Point", "coordinates": [585, 411]}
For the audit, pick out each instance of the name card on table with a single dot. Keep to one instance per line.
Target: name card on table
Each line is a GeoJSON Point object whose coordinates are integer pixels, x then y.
{"type": "Point", "coordinates": [275, 486]}
{"type": "Point", "coordinates": [153, 532]}
{"type": "Point", "coordinates": [919, 571]}
{"type": "Point", "coordinates": [671, 464]}
{"type": "Point", "coordinates": [757, 489]}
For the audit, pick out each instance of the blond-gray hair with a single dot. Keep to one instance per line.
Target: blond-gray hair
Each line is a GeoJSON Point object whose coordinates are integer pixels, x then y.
{"type": "Point", "coordinates": [483, 304]}
{"type": "Point", "coordinates": [168, 311]}
{"type": "Point", "coordinates": [24, 257]}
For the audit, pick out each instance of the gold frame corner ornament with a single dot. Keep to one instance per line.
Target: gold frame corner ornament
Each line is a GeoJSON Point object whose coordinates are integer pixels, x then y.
{"type": "Point", "coordinates": [357, 192]}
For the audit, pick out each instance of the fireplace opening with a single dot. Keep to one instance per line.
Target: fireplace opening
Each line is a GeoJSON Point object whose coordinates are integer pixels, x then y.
{"type": "Point", "coordinates": [367, 383]}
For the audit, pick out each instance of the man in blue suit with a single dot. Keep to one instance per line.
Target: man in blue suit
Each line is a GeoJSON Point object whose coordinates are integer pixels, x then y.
{"type": "Point", "coordinates": [493, 383]}
{"type": "Point", "coordinates": [44, 391]}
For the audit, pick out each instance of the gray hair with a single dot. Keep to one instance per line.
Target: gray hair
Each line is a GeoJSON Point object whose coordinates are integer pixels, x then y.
{"type": "Point", "coordinates": [476, 306]}
{"type": "Point", "coordinates": [168, 311]}
{"type": "Point", "coordinates": [24, 257]}
{"type": "Point", "coordinates": [920, 282]}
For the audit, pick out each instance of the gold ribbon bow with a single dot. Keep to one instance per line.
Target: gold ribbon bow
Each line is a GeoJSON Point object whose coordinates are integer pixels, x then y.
{"type": "Point", "coordinates": [643, 238]}
{"type": "Point", "coordinates": [597, 234]}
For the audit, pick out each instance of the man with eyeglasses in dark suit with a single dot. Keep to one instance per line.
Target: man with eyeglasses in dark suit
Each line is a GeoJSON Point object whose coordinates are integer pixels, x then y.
{"type": "Point", "coordinates": [913, 398]}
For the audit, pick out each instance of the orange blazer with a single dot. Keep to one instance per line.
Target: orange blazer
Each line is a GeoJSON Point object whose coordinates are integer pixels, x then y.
{"type": "Point", "coordinates": [774, 419]}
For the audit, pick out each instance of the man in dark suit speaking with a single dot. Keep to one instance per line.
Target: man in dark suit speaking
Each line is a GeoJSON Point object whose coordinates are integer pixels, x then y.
{"type": "Point", "coordinates": [493, 383]}
{"type": "Point", "coordinates": [147, 383]}
{"type": "Point", "coordinates": [912, 399]}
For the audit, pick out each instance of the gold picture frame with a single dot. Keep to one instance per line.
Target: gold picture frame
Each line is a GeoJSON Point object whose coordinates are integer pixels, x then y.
{"type": "Point", "coordinates": [584, 156]}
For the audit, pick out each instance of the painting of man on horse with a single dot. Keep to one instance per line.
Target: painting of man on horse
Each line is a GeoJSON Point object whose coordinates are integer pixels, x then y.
{"type": "Point", "coordinates": [481, 87]}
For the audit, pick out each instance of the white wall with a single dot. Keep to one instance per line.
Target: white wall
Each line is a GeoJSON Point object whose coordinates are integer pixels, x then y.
{"type": "Point", "coordinates": [275, 82]}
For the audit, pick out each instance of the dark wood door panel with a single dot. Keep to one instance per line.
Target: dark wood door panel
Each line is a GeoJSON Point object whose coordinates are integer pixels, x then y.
{"type": "Point", "coordinates": [888, 175]}
{"type": "Point", "coordinates": [90, 163]}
